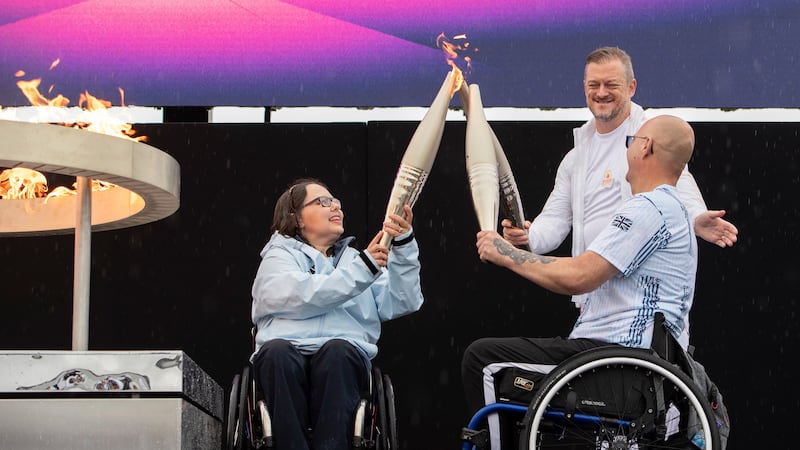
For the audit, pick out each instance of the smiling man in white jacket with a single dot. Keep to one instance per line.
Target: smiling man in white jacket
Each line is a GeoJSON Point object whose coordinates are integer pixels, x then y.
{"type": "Point", "coordinates": [590, 182]}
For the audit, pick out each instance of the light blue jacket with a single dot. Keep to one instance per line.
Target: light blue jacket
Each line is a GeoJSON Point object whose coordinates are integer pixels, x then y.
{"type": "Point", "coordinates": [307, 298]}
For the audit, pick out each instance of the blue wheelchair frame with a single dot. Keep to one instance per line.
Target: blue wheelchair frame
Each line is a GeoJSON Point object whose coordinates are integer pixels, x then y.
{"type": "Point", "coordinates": [663, 368]}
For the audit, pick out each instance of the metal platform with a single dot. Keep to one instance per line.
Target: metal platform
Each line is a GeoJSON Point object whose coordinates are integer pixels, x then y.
{"type": "Point", "coordinates": [142, 400]}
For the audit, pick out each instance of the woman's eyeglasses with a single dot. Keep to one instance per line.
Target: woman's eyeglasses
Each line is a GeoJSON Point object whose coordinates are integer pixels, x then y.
{"type": "Point", "coordinates": [325, 201]}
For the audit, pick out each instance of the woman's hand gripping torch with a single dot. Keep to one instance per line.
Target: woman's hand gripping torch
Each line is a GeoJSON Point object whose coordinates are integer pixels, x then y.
{"type": "Point", "coordinates": [421, 151]}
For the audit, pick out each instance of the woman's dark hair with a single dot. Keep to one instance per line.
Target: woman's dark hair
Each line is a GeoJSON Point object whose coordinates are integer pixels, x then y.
{"type": "Point", "coordinates": [284, 220]}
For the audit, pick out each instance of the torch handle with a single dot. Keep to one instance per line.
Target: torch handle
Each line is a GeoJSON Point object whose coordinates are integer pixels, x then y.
{"type": "Point", "coordinates": [407, 186]}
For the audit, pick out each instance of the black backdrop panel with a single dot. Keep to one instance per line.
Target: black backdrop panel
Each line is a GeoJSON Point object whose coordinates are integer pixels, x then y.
{"type": "Point", "coordinates": [184, 282]}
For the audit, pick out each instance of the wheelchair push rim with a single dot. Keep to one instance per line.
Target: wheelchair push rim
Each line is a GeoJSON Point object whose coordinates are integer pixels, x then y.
{"type": "Point", "coordinates": [540, 415]}
{"type": "Point", "coordinates": [231, 423]}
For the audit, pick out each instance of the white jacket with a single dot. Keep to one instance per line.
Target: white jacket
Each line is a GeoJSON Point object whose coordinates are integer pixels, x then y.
{"type": "Point", "coordinates": [563, 211]}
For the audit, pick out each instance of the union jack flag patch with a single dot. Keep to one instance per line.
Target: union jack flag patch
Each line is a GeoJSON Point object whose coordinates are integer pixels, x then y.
{"type": "Point", "coordinates": [621, 222]}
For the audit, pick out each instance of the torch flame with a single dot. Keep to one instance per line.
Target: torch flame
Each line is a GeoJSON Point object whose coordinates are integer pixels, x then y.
{"type": "Point", "coordinates": [458, 80]}
{"type": "Point", "coordinates": [455, 48]}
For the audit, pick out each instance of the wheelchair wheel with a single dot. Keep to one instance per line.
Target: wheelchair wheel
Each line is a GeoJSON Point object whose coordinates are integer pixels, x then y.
{"type": "Point", "coordinates": [381, 435]}
{"type": "Point", "coordinates": [233, 409]}
{"type": "Point", "coordinates": [391, 430]}
{"type": "Point", "coordinates": [244, 427]}
{"type": "Point", "coordinates": [619, 398]}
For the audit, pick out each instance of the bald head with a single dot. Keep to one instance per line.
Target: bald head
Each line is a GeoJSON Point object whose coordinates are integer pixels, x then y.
{"type": "Point", "coordinates": [659, 152]}
{"type": "Point", "coordinates": [673, 141]}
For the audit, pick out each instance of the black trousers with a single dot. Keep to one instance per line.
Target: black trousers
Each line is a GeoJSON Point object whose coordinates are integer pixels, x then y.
{"type": "Point", "coordinates": [317, 393]}
{"type": "Point", "coordinates": [485, 351]}
{"type": "Point", "coordinates": [486, 357]}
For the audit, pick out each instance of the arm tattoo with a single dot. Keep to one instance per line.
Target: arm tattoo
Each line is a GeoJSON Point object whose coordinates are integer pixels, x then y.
{"type": "Point", "coordinates": [520, 256]}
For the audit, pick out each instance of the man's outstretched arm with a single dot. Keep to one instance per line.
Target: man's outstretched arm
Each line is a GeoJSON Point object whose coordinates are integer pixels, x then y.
{"type": "Point", "coordinates": [711, 227]}
{"type": "Point", "coordinates": [563, 275]}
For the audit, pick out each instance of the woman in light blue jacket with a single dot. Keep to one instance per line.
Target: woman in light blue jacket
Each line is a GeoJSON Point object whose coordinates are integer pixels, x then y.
{"type": "Point", "coordinates": [318, 305]}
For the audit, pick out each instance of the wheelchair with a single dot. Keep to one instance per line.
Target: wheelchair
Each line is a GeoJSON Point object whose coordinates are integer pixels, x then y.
{"type": "Point", "coordinates": [248, 423]}
{"type": "Point", "coordinates": [610, 397]}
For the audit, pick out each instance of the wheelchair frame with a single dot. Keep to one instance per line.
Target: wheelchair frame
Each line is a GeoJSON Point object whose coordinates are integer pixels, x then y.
{"type": "Point", "coordinates": [657, 405]}
{"type": "Point", "coordinates": [249, 426]}
{"type": "Point", "coordinates": [656, 426]}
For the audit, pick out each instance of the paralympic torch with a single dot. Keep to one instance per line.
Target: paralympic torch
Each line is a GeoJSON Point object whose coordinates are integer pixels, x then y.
{"type": "Point", "coordinates": [510, 201]}
{"type": "Point", "coordinates": [421, 151]}
{"type": "Point", "coordinates": [481, 163]}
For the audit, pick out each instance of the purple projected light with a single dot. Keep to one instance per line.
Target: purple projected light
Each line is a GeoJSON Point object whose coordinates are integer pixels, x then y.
{"type": "Point", "coordinates": [228, 53]}
{"type": "Point", "coordinates": [14, 11]}
{"type": "Point", "coordinates": [479, 16]}
{"type": "Point", "coordinates": [367, 53]}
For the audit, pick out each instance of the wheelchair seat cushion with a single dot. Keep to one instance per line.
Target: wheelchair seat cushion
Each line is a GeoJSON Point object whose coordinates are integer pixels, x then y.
{"type": "Point", "coordinates": [517, 385]}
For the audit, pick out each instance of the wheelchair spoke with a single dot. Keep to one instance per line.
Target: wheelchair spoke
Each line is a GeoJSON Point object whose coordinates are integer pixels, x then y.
{"type": "Point", "coordinates": [614, 399]}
